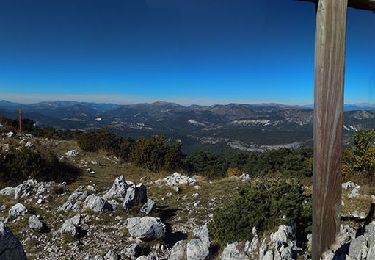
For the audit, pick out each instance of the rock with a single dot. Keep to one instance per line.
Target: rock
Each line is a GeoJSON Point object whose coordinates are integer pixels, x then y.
{"type": "Point", "coordinates": [147, 228]}
{"type": "Point", "coordinates": [97, 204]}
{"type": "Point", "coordinates": [71, 153]}
{"type": "Point", "coordinates": [29, 144]}
{"type": "Point", "coordinates": [283, 235]}
{"type": "Point", "coordinates": [348, 185]}
{"type": "Point", "coordinates": [17, 210]}
{"type": "Point", "coordinates": [148, 207]}
{"type": "Point", "coordinates": [281, 244]}
{"type": "Point", "coordinates": [23, 190]}
{"type": "Point", "coordinates": [178, 251]}
{"type": "Point", "coordinates": [251, 247]}
{"type": "Point", "coordinates": [8, 191]}
{"type": "Point", "coordinates": [111, 255]}
{"type": "Point", "coordinates": [232, 252]}
{"type": "Point", "coordinates": [74, 201]}
{"type": "Point", "coordinates": [199, 248]}
{"type": "Point", "coordinates": [245, 177]}
{"type": "Point", "coordinates": [10, 247]}
{"type": "Point", "coordinates": [72, 226]}
{"type": "Point", "coordinates": [36, 223]}
{"type": "Point", "coordinates": [118, 189]}
{"type": "Point", "coordinates": [358, 248]}
{"type": "Point", "coordinates": [135, 195]}
{"type": "Point", "coordinates": [10, 134]}
{"type": "Point", "coordinates": [177, 179]}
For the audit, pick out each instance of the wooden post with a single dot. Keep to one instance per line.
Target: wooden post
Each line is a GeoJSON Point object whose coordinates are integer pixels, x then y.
{"type": "Point", "coordinates": [328, 122]}
{"type": "Point", "coordinates": [19, 121]}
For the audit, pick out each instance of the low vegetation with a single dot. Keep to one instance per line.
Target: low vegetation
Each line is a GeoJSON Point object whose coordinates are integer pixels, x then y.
{"type": "Point", "coordinates": [263, 205]}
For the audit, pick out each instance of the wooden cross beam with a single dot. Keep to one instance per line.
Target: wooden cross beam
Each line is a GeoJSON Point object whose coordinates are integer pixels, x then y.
{"type": "Point", "coordinates": [330, 44]}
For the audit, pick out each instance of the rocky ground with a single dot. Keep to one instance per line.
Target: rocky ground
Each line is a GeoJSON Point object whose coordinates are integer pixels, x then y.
{"type": "Point", "coordinates": [118, 211]}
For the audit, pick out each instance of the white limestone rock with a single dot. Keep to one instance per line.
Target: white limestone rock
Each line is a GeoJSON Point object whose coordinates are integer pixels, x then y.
{"type": "Point", "coordinates": [146, 228]}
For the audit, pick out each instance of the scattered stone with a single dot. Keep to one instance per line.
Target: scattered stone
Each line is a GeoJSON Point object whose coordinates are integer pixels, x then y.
{"type": "Point", "coordinates": [147, 228]}
{"type": "Point", "coordinates": [10, 247]}
{"type": "Point", "coordinates": [29, 144]}
{"type": "Point", "coordinates": [10, 134]}
{"type": "Point", "coordinates": [17, 211]}
{"type": "Point", "coordinates": [72, 226]}
{"type": "Point", "coordinates": [111, 255]}
{"type": "Point", "coordinates": [177, 179]}
{"type": "Point", "coordinates": [97, 204]}
{"type": "Point", "coordinates": [23, 190]}
{"type": "Point", "coordinates": [74, 201]}
{"type": "Point", "coordinates": [245, 177]}
{"type": "Point", "coordinates": [8, 191]}
{"type": "Point", "coordinates": [148, 207]}
{"type": "Point", "coordinates": [71, 153]}
{"type": "Point", "coordinates": [36, 223]}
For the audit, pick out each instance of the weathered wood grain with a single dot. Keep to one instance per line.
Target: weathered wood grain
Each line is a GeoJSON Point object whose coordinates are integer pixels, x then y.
{"type": "Point", "coordinates": [328, 121]}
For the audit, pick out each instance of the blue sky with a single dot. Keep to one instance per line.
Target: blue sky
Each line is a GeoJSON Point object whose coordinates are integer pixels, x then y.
{"type": "Point", "coordinates": [186, 51]}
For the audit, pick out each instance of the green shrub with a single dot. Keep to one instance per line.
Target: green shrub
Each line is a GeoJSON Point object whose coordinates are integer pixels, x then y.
{"type": "Point", "coordinates": [207, 164]}
{"type": "Point", "coordinates": [157, 154]}
{"type": "Point", "coordinates": [264, 206]}
{"type": "Point", "coordinates": [18, 165]}
{"type": "Point", "coordinates": [363, 159]}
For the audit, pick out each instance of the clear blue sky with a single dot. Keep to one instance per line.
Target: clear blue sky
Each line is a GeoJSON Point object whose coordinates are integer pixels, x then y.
{"type": "Point", "coordinates": [188, 51]}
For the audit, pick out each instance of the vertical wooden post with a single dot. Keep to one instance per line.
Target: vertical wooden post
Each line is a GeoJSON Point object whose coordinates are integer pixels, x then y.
{"type": "Point", "coordinates": [328, 122]}
{"type": "Point", "coordinates": [19, 121]}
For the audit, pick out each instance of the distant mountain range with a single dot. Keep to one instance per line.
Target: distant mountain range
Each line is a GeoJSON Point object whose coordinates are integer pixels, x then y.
{"type": "Point", "coordinates": [220, 127]}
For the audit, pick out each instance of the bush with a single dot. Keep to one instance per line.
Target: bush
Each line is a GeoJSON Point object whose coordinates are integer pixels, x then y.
{"type": "Point", "coordinates": [263, 206]}
{"type": "Point", "coordinates": [18, 165]}
{"type": "Point", "coordinates": [363, 159]}
{"type": "Point", "coordinates": [207, 164]}
{"type": "Point", "coordinates": [157, 154]}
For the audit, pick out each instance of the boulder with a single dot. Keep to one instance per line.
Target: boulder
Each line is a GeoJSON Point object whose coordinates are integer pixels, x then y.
{"type": "Point", "coordinates": [97, 204]}
{"type": "Point", "coordinates": [196, 249]}
{"type": "Point", "coordinates": [118, 189]}
{"type": "Point", "coordinates": [10, 247]}
{"type": "Point", "coordinates": [36, 223]}
{"type": "Point", "coordinates": [148, 207]}
{"type": "Point", "coordinates": [135, 195]}
{"type": "Point", "coordinates": [74, 201]}
{"type": "Point", "coordinates": [178, 251]}
{"type": "Point", "coordinates": [147, 228]}
{"type": "Point", "coordinates": [199, 248]}
{"type": "Point", "coordinates": [17, 210]}
{"type": "Point", "coordinates": [358, 248]}
{"type": "Point", "coordinates": [23, 190]}
{"type": "Point", "coordinates": [72, 226]}
{"type": "Point", "coordinates": [8, 191]}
